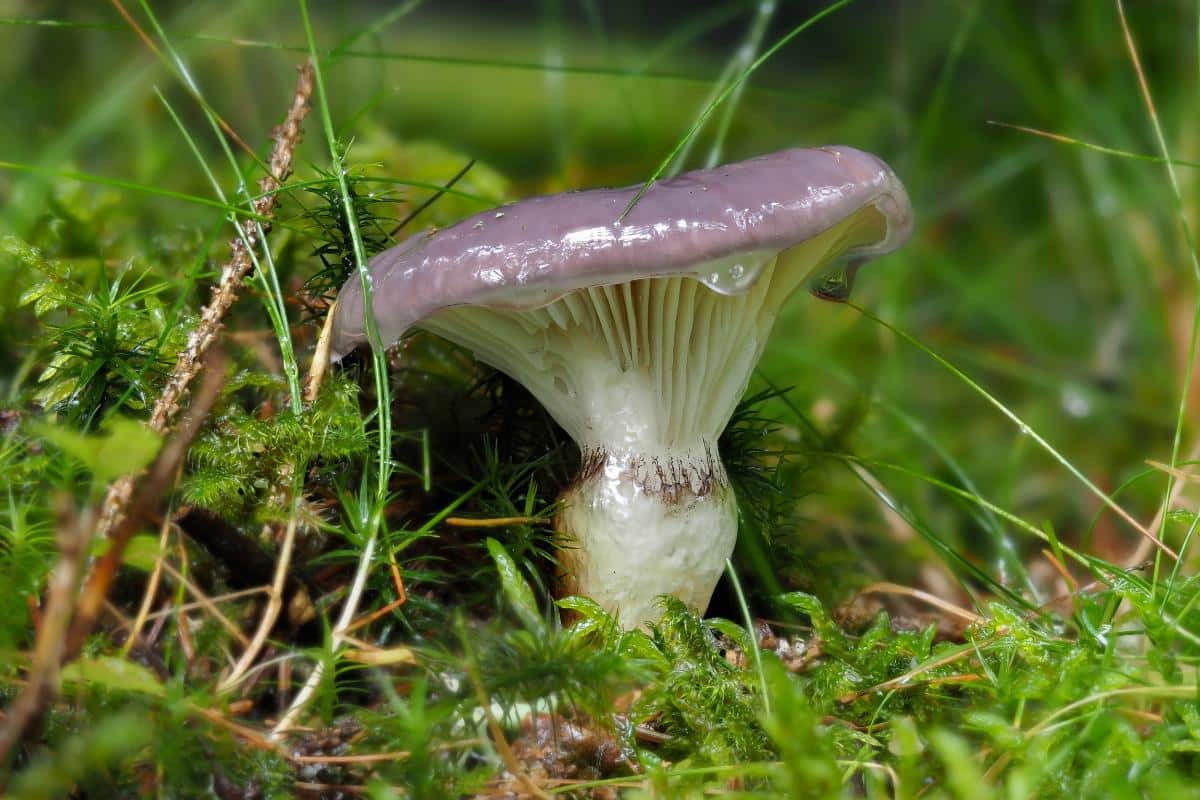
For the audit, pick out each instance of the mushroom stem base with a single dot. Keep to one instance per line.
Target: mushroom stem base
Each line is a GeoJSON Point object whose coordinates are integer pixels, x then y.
{"type": "Point", "coordinates": [636, 526]}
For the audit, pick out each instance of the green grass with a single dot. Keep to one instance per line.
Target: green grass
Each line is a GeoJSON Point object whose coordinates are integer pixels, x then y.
{"type": "Point", "coordinates": [941, 483]}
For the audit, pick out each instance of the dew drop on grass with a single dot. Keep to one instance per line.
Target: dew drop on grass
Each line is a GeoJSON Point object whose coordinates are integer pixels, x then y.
{"type": "Point", "coordinates": [1075, 400]}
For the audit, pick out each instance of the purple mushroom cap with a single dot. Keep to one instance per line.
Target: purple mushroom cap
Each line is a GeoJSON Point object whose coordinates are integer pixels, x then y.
{"type": "Point", "coordinates": [710, 224]}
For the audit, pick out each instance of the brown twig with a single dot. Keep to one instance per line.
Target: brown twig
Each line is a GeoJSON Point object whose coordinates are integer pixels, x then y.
{"type": "Point", "coordinates": [187, 365]}
{"type": "Point", "coordinates": [1145, 547]}
{"type": "Point", "coordinates": [151, 589]}
{"type": "Point", "coordinates": [887, 587]}
{"type": "Point", "coordinates": [401, 599]}
{"type": "Point", "coordinates": [369, 758]}
{"type": "Point", "coordinates": [494, 522]}
{"type": "Point", "coordinates": [42, 685]}
{"type": "Point", "coordinates": [270, 613]}
{"type": "Point", "coordinates": [203, 601]}
{"type": "Point", "coordinates": [332, 789]}
{"type": "Point", "coordinates": [366, 758]}
{"type": "Point", "coordinates": [158, 480]}
{"type": "Point", "coordinates": [1061, 569]}
{"type": "Point", "coordinates": [210, 601]}
{"type": "Point", "coordinates": [320, 359]}
{"type": "Point", "coordinates": [245, 733]}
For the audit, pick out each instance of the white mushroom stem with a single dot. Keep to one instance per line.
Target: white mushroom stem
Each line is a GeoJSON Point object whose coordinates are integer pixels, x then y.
{"type": "Point", "coordinates": [637, 525]}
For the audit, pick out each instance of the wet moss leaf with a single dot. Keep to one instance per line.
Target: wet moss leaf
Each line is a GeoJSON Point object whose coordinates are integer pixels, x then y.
{"type": "Point", "coordinates": [125, 446]}
{"type": "Point", "coordinates": [515, 588]}
{"type": "Point", "coordinates": [114, 674]}
{"type": "Point", "coordinates": [142, 552]}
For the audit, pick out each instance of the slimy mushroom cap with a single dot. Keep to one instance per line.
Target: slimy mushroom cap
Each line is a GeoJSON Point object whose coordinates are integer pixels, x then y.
{"type": "Point", "coordinates": [718, 226]}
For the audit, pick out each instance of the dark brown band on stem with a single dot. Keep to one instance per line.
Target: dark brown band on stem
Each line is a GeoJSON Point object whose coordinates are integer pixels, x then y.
{"type": "Point", "coordinates": [673, 479]}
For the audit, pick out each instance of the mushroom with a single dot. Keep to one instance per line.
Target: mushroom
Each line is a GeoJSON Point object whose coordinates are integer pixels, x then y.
{"type": "Point", "coordinates": [638, 334]}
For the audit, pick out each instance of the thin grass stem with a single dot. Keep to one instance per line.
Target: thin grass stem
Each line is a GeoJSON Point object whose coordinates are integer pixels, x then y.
{"type": "Point", "coordinates": [1024, 428]}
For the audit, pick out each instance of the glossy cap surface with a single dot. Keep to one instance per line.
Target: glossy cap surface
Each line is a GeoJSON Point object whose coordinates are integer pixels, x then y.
{"type": "Point", "coordinates": [717, 226]}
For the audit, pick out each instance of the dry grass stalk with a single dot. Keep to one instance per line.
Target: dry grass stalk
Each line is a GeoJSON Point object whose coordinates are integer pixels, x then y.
{"type": "Point", "coordinates": [151, 591]}
{"type": "Point", "coordinates": [188, 364]}
{"type": "Point", "coordinates": [270, 613]}
{"type": "Point", "coordinates": [72, 538]}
